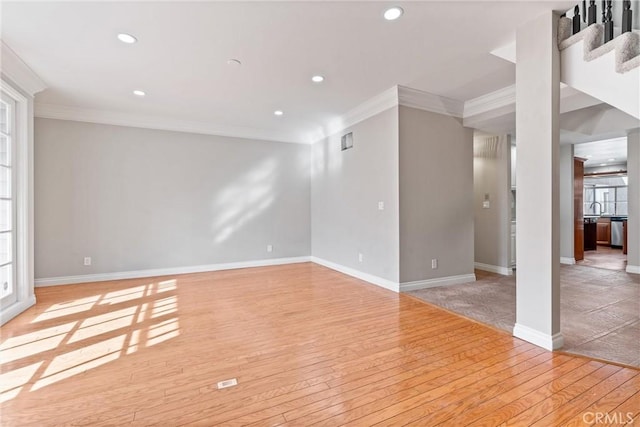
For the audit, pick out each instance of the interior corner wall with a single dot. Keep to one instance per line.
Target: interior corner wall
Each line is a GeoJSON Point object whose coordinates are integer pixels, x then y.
{"type": "Point", "coordinates": [436, 196]}
{"type": "Point", "coordinates": [566, 204]}
{"type": "Point", "coordinates": [492, 223]}
{"type": "Point", "coordinates": [139, 199]}
{"type": "Point", "coordinates": [346, 187]}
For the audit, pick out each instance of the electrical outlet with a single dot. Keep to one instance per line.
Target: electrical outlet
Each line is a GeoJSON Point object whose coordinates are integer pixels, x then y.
{"type": "Point", "coordinates": [434, 264]}
{"type": "Point", "coordinates": [360, 257]}
{"type": "Point", "coordinates": [87, 260]}
{"type": "Point", "coordinates": [269, 248]}
{"type": "Point", "coordinates": [380, 206]}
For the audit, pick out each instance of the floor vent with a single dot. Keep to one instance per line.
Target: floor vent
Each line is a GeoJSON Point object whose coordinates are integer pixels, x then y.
{"type": "Point", "coordinates": [227, 383]}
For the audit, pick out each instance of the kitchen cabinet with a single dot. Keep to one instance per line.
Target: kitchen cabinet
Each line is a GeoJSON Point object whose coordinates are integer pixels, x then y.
{"type": "Point", "coordinates": [604, 231]}
{"type": "Point", "coordinates": [590, 234]}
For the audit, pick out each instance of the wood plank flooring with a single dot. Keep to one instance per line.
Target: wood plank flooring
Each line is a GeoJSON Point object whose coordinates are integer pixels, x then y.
{"type": "Point", "coordinates": [308, 346]}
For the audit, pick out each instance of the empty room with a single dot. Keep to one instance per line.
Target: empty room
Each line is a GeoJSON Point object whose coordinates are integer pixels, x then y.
{"type": "Point", "coordinates": [304, 213]}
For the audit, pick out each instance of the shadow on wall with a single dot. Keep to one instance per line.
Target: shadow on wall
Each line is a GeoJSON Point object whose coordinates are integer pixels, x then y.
{"type": "Point", "coordinates": [123, 322]}
{"type": "Point", "coordinates": [244, 199]}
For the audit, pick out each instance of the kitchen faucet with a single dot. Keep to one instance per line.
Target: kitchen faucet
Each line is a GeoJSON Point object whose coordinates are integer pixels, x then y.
{"type": "Point", "coordinates": [596, 203]}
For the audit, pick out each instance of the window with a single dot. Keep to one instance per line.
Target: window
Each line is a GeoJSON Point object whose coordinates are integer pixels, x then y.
{"type": "Point", "coordinates": [605, 195]}
{"type": "Point", "coordinates": [7, 202]}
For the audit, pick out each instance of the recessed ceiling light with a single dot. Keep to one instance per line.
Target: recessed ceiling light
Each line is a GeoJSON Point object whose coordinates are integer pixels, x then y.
{"type": "Point", "coordinates": [393, 13]}
{"type": "Point", "coordinates": [317, 79]}
{"type": "Point", "coordinates": [234, 62]}
{"type": "Point", "coordinates": [611, 160]}
{"type": "Point", "coordinates": [603, 164]}
{"type": "Point", "coordinates": [139, 93]}
{"type": "Point", "coordinates": [127, 38]}
{"type": "Point", "coordinates": [278, 112]}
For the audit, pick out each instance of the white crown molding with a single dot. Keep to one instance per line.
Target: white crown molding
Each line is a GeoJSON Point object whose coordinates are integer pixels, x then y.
{"type": "Point", "coordinates": [490, 101]}
{"type": "Point", "coordinates": [19, 72]}
{"type": "Point", "coordinates": [371, 107]}
{"type": "Point", "coordinates": [117, 118]}
{"type": "Point", "coordinates": [101, 277]}
{"type": "Point", "coordinates": [425, 101]}
{"type": "Point", "coordinates": [370, 278]}
{"type": "Point", "coordinates": [440, 281]}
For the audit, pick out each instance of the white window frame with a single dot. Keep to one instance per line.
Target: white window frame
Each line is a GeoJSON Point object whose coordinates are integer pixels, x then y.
{"type": "Point", "coordinates": [23, 256]}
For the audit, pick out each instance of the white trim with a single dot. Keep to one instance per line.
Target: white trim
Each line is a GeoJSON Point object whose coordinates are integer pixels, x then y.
{"type": "Point", "coordinates": [86, 278]}
{"type": "Point", "coordinates": [491, 101]}
{"type": "Point", "coordinates": [505, 271]}
{"type": "Point", "coordinates": [371, 107]}
{"type": "Point", "coordinates": [136, 120]}
{"type": "Point", "coordinates": [19, 72]}
{"type": "Point", "coordinates": [567, 260]}
{"type": "Point", "coordinates": [634, 269]}
{"type": "Point", "coordinates": [15, 309]}
{"type": "Point", "coordinates": [440, 281]}
{"type": "Point", "coordinates": [425, 101]}
{"type": "Point", "coordinates": [375, 280]}
{"type": "Point", "coordinates": [546, 341]}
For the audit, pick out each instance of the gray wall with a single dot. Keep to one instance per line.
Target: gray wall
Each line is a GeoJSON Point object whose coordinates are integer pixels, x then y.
{"type": "Point", "coordinates": [436, 196]}
{"type": "Point", "coordinates": [492, 175]}
{"type": "Point", "coordinates": [633, 223]}
{"type": "Point", "coordinates": [346, 188]}
{"type": "Point", "coordinates": [137, 199]}
{"type": "Point", "coordinates": [566, 202]}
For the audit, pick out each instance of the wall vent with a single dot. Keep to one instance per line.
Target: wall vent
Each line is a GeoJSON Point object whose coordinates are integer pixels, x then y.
{"type": "Point", "coordinates": [227, 383]}
{"type": "Point", "coordinates": [347, 141]}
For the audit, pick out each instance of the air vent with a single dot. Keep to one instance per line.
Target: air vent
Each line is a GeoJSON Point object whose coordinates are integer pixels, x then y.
{"type": "Point", "coordinates": [227, 383]}
{"type": "Point", "coordinates": [347, 141]}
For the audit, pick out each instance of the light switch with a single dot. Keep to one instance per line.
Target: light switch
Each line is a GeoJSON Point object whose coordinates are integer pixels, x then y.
{"type": "Point", "coordinates": [486, 204]}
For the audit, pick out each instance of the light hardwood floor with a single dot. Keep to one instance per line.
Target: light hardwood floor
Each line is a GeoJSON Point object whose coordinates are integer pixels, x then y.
{"type": "Point", "coordinates": [308, 346]}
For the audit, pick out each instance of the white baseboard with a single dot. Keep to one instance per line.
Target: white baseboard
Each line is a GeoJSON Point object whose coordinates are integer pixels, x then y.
{"type": "Point", "coordinates": [548, 342]}
{"type": "Point", "coordinates": [434, 283]}
{"type": "Point", "coordinates": [379, 281]}
{"type": "Point", "coordinates": [635, 269]}
{"type": "Point", "coordinates": [15, 309]}
{"type": "Point", "coordinates": [505, 271]}
{"type": "Point", "coordinates": [69, 280]}
{"type": "Point", "coordinates": [567, 260]}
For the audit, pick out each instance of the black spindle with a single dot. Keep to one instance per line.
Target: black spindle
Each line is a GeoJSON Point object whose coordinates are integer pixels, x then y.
{"type": "Point", "coordinates": [592, 12]}
{"type": "Point", "coordinates": [626, 16]}
{"type": "Point", "coordinates": [576, 19]}
{"type": "Point", "coordinates": [608, 24]}
{"type": "Point", "coordinates": [584, 11]}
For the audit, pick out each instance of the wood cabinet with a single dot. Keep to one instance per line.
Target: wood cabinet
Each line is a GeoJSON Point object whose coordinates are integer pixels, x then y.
{"type": "Point", "coordinates": [578, 208]}
{"type": "Point", "coordinates": [604, 231]}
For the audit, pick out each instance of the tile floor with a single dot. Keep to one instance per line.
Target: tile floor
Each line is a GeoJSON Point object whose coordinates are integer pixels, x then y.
{"type": "Point", "coordinates": [600, 314]}
{"type": "Point", "coordinates": [605, 257]}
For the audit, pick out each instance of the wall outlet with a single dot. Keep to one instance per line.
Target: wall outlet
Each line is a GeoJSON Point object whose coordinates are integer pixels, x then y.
{"type": "Point", "coordinates": [269, 248]}
{"type": "Point", "coordinates": [434, 264]}
{"type": "Point", "coordinates": [360, 257]}
{"type": "Point", "coordinates": [380, 206]}
{"type": "Point", "coordinates": [87, 260]}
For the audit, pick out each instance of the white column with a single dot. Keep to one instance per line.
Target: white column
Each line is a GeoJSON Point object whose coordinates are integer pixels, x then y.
{"type": "Point", "coordinates": [633, 223]}
{"type": "Point", "coordinates": [538, 201]}
{"type": "Point", "coordinates": [566, 205]}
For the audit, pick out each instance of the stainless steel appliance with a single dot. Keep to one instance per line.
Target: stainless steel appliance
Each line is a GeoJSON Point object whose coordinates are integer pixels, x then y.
{"type": "Point", "coordinates": [616, 232]}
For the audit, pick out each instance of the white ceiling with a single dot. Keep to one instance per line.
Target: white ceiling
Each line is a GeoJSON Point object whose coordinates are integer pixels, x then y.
{"type": "Point", "coordinates": [601, 152]}
{"type": "Point", "coordinates": [180, 60]}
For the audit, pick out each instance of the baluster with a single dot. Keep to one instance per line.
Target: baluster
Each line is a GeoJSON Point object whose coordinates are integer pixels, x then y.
{"type": "Point", "coordinates": [584, 11]}
{"type": "Point", "coordinates": [608, 24]}
{"type": "Point", "coordinates": [592, 12]}
{"type": "Point", "coordinates": [576, 19]}
{"type": "Point", "coordinates": [626, 16]}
